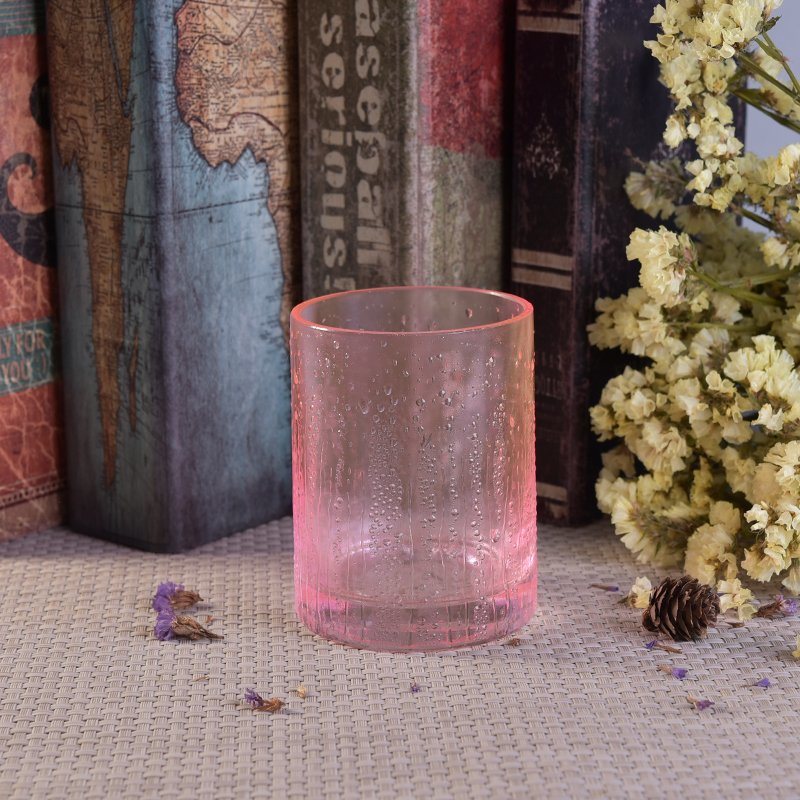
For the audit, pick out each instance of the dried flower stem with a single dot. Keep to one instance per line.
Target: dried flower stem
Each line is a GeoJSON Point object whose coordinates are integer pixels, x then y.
{"type": "Point", "coordinates": [777, 54]}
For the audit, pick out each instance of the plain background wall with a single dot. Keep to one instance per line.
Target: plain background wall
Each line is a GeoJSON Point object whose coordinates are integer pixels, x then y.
{"type": "Point", "coordinates": [763, 136]}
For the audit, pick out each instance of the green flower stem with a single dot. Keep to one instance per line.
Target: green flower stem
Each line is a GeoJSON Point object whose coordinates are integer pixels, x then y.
{"type": "Point", "coordinates": [762, 279]}
{"type": "Point", "coordinates": [739, 294]}
{"type": "Point", "coordinates": [753, 217]}
{"type": "Point", "coordinates": [753, 297]}
{"type": "Point", "coordinates": [778, 55]}
{"type": "Point", "coordinates": [754, 67]}
{"type": "Point", "coordinates": [748, 96]}
{"type": "Point", "coordinates": [721, 325]}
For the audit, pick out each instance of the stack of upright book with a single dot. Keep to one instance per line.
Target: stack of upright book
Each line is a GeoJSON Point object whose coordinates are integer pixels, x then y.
{"type": "Point", "coordinates": [214, 162]}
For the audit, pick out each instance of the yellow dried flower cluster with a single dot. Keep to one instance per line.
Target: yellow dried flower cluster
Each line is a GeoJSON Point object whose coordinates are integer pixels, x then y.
{"type": "Point", "coordinates": [706, 468]}
{"type": "Point", "coordinates": [640, 593]}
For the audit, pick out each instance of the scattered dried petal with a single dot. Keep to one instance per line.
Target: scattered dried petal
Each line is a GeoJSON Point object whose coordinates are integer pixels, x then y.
{"type": "Point", "coordinates": [606, 587]}
{"type": "Point", "coordinates": [764, 682]}
{"type": "Point", "coordinates": [735, 624]}
{"type": "Point", "coordinates": [662, 646]}
{"type": "Point", "coordinates": [698, 703]}
{"type": "Point", "coordinates": [639, 595]}
{"type": "Point", "coordinates": [164, 621]}
{"type": "Point", "coordinates": [514, 642]}
{"type": "Point", "coordinates": [677, 672]}
{"type": "Point", "coordinates": [272, 705]}
{"type": "Point", "coordinates": [258, 703]}
{"type": "Point", "coordinates": [209, 619]}
{"type": "Point", "coordinates": [779, 607]}
{"type": "Point", "coordinates": [175, 596]}
{"type": "Point", "coordinates": [161, 599]}
{"type": "Point", "coordinates": [184, 598]}
{"type": "Point", "coordinates": [252, 697]}
{"type": "Point", "coordinates": [301, 692]}
{"type": "Point", "coordinates": [190, 628]}
{"type": "Point", "coordinates": [415, 687]}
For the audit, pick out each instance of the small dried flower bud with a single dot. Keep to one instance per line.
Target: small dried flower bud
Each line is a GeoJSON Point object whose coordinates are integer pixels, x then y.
{"type": "Point", "coordinates": [780, 607]}
{"type": "Point", "coordinates": [301, 692]}
{"type": "Point", "coordinates": [175, 596]}
{"type": "Point", "coordinates": [677, 672]}
{"type": "Point", "coordinates": [698, 703]}
{"type": "Point", "coordinates": [190, 628]}
{"type": "Point", "coordinates": [271, 705]}
{"type": "Point", "coordinates": [253, 698]}
{"type": "Point", "coordinates": [185, 598]}
{"type": "Point", "coordinates": [258, 703]}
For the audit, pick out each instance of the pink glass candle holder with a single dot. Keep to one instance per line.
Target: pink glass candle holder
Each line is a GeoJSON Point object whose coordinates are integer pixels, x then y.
{"type": "Point", "coordinates": [413, 463]}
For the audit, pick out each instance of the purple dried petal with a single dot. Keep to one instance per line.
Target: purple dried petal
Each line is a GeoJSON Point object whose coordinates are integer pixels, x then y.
{"type": "Point", "coordinates": [252, 697]}
{"type": "Point", "coordinates": [161, 599]}
{"type": "Point", "coordinates": [701, 705]}
{"type": "Point", "coordinates": [606, 587]}
{"type": "Point", "coordinates": [779, 606]}
{"type": "Point", "coordinates": [679, 672]}
{"type": "Point", "coordinates": [651, 645]}
{"type": "Point", "coordinates": [164, 622]}
{"type": "Point", "coordinates": [765, 682]}
{"type": "Point", "coordinates": [161, 603]}
{"type": "Point", "coordinates": [415, 687]}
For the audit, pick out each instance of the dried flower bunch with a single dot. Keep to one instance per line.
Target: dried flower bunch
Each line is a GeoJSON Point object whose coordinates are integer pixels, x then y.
{"type": "Point", "coordinates": [169, 598]}
{"type": "Point", "coordinates": [706, 473]}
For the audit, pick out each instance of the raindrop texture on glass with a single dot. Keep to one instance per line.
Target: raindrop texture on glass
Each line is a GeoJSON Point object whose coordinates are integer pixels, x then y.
{"type": "Point", "coordinates": [413, 463]}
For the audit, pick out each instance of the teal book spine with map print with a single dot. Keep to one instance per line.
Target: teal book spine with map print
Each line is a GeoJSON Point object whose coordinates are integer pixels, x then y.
{"type": "Point", "coordinates": [174, 160]}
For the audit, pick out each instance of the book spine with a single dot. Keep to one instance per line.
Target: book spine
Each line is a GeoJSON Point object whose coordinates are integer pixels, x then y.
{"type": "Point", "coordinates": [546, 130]}
{"type": "Point", "coordinates": [175, 194]}
{"type": "Point", "coordinates": [31, 468]}
{"type": "Point", "coordinates": [588, 99]}
{"type": "Point", "coordinates": [402, 132]}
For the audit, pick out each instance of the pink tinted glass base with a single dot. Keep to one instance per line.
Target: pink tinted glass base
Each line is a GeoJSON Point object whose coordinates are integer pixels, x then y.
{"type": "Point", "coordinates": [413, 463]}
{"type": "Point", "coordinates": [367, 622]}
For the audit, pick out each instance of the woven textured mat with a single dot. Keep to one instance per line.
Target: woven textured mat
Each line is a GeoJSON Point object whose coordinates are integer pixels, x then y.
{"type": "Point", "coordinates": [93, 707]}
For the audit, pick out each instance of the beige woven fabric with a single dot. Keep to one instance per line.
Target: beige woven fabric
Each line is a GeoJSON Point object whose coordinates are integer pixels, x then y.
{"type": "Point", "coordinates": [93, 707]}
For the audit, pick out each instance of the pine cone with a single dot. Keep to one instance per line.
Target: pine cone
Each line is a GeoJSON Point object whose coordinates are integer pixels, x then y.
{"type": "Point", "coordinates": [682, 608]}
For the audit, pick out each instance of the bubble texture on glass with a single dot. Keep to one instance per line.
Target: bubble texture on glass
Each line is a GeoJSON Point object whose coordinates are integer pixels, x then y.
{"type": "Point", "coordinates": [413, 464]}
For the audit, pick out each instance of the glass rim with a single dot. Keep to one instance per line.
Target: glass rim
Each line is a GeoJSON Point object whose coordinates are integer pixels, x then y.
{"type": "Point", "coordinates": [525, 311]}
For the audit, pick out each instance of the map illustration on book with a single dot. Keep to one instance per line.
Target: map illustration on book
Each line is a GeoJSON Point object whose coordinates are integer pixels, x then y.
{"type": "Point", "coordinates": [175, 187]}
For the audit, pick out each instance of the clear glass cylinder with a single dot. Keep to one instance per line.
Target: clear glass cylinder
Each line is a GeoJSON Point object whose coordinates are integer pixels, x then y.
{"type": "Point", "coordinates": [413, 465]}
